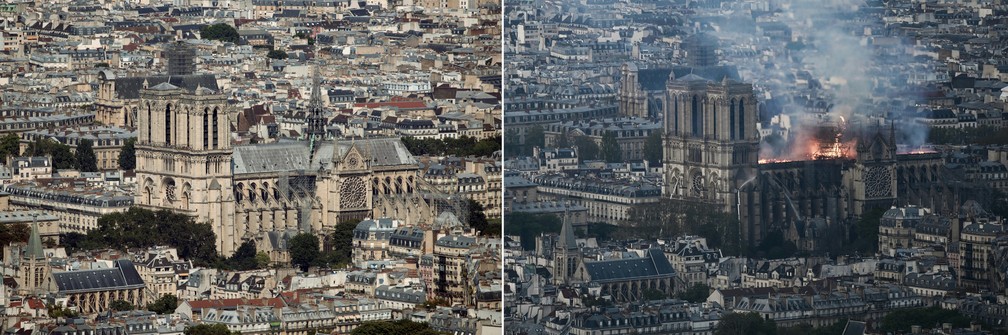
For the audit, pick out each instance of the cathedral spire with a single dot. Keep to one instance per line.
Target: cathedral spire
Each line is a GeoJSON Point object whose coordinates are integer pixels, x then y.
{"type": "Point", "coordinates": [316, 112]}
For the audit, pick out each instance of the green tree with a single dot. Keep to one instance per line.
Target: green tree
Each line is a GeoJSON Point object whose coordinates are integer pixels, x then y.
{"type": "Point", "coordinates": [562, 141]}
{"type": "Point", "coordinates": [341, 252]}
{"type": "Point", "coordinates": [774, 246]}
{"type": "Point", "coordinates": [534, 137]}
{"type": "Point", "coordinates": [244, 258]}
{"type": "Point", "coordinates": [654, 294]}
{"type": "Point", "coordinates": [745, 324]}
{"type": "Point", "coordinates": [696, 293]}
{"type": "Point", "coordinates": [277, 54]}
{"type": "Point", "coordinates": [262, 260]}
{"type": "Point", "coordinates": [587, 149]}
{"type": "Point", "coordinates": [56, 311]}
{"type": "Point", "coordinates": [86, 159]}
{"type": "Point", "coordinates": [304, 249]}
{"type": "Point", "coordinates": [599, 230]}
{"type": "Point", "coordinates": [121, 306]}
{"type": "Point", "coordinates": [512, 144]}
{"type": "Point", "coordinates": [143, 228]}
{"type": "Point", "coordinates": [611, 150]}
{"type": "Point", "coordinates": [807, 329]}
{"type": "Point", "coordinates": [166, 304]}
{"type": "Point", "coordinates": [127, 156]}
{"type": "Point", "coordinates": [14, 232]}
{"type": "Point", "coordinates": [221, 32]}
{"type": "Point", "coordinates": [528, 226]}
{"type": "Point", "coordinates": [670, 218]}
{"type": "Point", "coordinates": [865, 240]}
{"type": "Point", "coordinates": [208, 329]}
{"type": "Point", "coordinates": [464, 146]}
{"type": "Point", "coordinates": [393, 327]}
{"type": "Point", "coordinates": [10, 145]}
{"type": "Point", "coordinates": [900, 321]}
{"type": "Point", "coordinates": [478, 220]}
{"type": "Point", "coordinates": [653, 148]}
{"type": "Point", "coordinates": [62, 158]}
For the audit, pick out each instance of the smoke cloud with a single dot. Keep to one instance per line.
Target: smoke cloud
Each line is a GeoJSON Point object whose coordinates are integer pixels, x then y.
{"type": "Point", "coordinates": [839, 63]}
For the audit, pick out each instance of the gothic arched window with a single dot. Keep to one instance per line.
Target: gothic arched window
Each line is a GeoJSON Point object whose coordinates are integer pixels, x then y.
{"type": "Point", "coordinates": [675, 113]}
{"type": "Point", "coordinates": [148, 121]}
{"type": "Point", "coordinates": [714, 117]}
{"type": "Point", "coordinates": [215, 128]}
{"type": "Point", "coordinates": [206, 130]}
{"type": "Point", "coordinates": [695, 116]}
{"type": "Point", "coordinates": [731, 120]}
{"type": "Point", "coordinates": [167, 121]}
{"type": "Point", "coordinates": [741, 118]}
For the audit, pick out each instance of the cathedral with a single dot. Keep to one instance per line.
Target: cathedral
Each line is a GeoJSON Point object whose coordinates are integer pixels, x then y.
{"type": "Point", "coordinates": [186, 163]}
{"type": "Point", "coordinates": [711, 156]}
{"type": "Point", "coordinates": [710, 142]}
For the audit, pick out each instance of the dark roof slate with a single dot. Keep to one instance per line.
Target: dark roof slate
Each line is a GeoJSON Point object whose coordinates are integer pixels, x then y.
{"type": "Point", "coordinates": [123, 276]}
{"type": "Point", "coordinates": [652, 264]}
{"type": "Point", "coordinates": [129, 88]}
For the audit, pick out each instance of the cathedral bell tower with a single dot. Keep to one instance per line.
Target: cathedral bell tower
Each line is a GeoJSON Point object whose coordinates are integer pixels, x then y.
{"type": "Point", "coordinates": [710, 145]}
{"type": "Point", "coordinates": [183, 157]}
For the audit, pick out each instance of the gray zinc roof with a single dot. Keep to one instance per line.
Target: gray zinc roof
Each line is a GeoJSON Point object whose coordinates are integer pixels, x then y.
{"type": "Point", "coordinates": [653, 264]}
{"type": "Point", "coordinates": [123, 276]}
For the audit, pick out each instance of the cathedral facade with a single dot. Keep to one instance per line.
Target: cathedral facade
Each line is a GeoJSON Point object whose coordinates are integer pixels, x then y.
{"type": "Point", "coordinates": [186, 163]}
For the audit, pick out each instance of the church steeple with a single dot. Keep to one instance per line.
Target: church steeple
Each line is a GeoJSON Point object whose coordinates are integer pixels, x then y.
{"type": "Point", "coordinates": [34, 267]}
{"type": "Point", "coordinates": [567, 241]}
{"type": "Point", "coordinates": [34, 250]}
{"type": "Point", "coordinates": [566, 254]}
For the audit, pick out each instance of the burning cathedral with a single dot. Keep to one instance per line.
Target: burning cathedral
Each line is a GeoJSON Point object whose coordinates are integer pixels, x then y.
{"type": "Point", "coordinates": [711, 155]}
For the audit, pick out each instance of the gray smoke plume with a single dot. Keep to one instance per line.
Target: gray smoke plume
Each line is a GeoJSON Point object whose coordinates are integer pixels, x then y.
{"type": "Point", "coordinates": [840, 69]}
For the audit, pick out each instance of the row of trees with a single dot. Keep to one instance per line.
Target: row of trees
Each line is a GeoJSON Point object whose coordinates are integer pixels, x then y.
{"type": "Point", "coordinates": [143, 228]}
{"type": "Point", "coordinates": [527, 226]}
{"type": "Point", "coordinates": [306, 250]}
{"type": "Point", "coordinates": [983, 135]}
{"type": "Point", "coordinates": [670, 218]}
{"type": "Point", "coordinates": [465, 146]}
{"type": "Point", "coordinates": [84, 159]}
{"type": "Point", "coordinates": [220, 32]}
{"type": "Point", "coordinates": [393, 327]}
{"type": "Point", "coordinates": [895, 322]}
{"type": "Point", "coordinates": [607, 150]}
{"type": "Point", "coordinates": [62, 158]}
